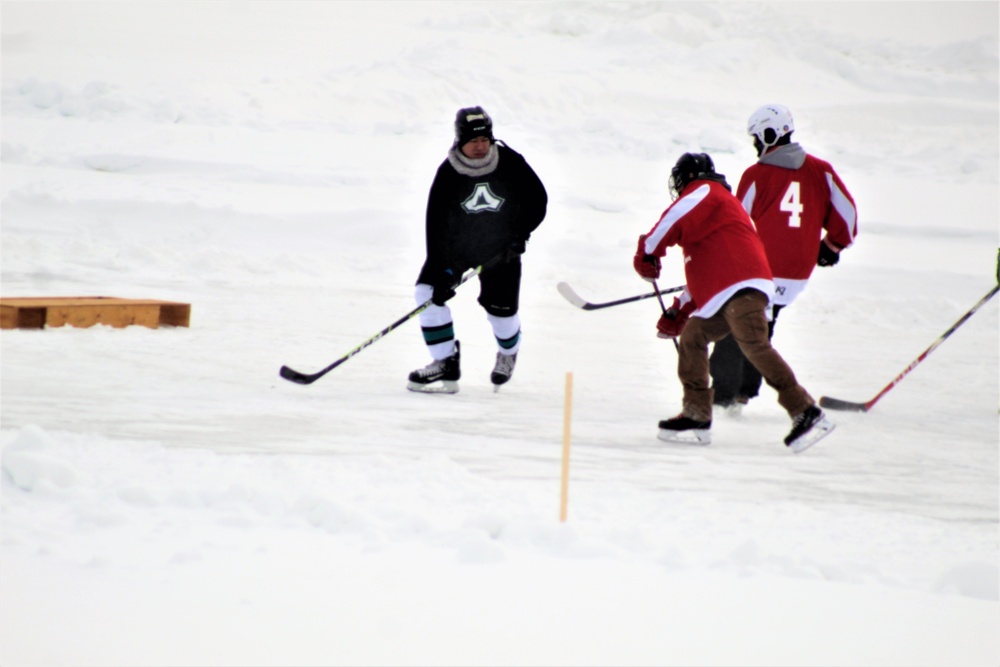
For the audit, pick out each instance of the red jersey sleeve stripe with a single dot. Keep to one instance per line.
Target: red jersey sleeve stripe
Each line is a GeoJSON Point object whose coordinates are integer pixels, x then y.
{"type": "Point", "coordinates": [678, 210]}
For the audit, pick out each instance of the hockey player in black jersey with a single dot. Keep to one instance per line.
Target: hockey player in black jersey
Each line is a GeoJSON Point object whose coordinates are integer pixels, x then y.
{"type": "Point", "coordinates": [484, 204]}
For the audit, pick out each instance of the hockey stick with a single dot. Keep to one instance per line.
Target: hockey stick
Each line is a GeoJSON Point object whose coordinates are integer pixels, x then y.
{"type": "Point", "coordinates": [663, 307]}
{"type": "Point", "coordinates": [579, 302]}
{"type": "Point", "coordinates": [837, 404]}
{"type": "Point", "coordinates": [307, 378]}
{"type": "Point", "coordinates": [659, 297]}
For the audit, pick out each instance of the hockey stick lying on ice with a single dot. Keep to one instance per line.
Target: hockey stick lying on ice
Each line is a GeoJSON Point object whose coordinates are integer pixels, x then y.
{"type": "Point", "coordinates": [837, 404]}
{"type": "Point", "coordinates": [307, 378]}
{"type": "Point", "coordinates": [579, 302]}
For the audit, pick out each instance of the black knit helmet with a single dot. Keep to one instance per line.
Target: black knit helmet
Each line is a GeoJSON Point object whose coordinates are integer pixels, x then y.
{"type": "Point", "coordinates": [470, 123]}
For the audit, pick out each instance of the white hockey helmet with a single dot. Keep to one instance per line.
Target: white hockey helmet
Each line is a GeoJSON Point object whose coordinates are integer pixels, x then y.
{"type": "Point", "coordinates": [770, 123]}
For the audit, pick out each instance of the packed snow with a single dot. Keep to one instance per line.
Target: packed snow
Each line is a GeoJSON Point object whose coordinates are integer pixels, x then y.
{"type": "Point", "coordinates": [168, 499]}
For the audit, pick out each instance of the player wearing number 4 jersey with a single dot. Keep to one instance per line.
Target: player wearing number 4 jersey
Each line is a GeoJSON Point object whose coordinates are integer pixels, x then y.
{"type": "Point", "coordinates": [729, 288]}
{"type": "Point", "coordinates": [804, 215]}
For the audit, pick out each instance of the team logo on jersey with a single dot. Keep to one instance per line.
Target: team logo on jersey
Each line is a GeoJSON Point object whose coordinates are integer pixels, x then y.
{"type": "Point", "coordinates": [482, 199]}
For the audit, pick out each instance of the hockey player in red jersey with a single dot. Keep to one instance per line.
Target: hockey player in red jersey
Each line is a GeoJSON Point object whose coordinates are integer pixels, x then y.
{"type": "Point", "coordinates": [804, 216]}
{"type": "Point", "coordinates": [729, 288]}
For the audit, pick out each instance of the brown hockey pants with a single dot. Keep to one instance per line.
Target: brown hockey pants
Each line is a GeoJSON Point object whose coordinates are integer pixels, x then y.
{"type": "Point", "coordinates": [744, 316]}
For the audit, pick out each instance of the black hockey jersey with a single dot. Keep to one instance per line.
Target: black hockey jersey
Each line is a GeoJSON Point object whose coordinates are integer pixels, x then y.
{"type": "Point", "coordinates": [472, 219]}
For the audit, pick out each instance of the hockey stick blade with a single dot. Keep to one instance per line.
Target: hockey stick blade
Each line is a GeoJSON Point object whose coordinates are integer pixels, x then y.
{"type": "Point", "coordinates": [837, 404]}
{"type": "Point", "coordinates": [299, 378]}
{"type": "Point", "coordinates": [303, 378]}
{"type": "Point", "coordinates": [570, 295]}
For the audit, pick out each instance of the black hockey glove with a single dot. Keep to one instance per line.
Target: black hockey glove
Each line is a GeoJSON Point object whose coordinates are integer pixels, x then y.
{"type": "Point", "coordinates": [444, 287]}
{"type": "Point", "coordinates": [516, 249]}
{"type": "Point", "coordinates": [827, 255]}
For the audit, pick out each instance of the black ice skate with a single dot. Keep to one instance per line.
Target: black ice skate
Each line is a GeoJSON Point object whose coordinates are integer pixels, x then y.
{"type": "Point", "coordinates": [686, 430]}
{"type": "Point", "coordinates": [503, 369]}
{"type": "Point", "coordinates": [808, 427]}
{"type": "Point", "coordinates": [438, 377]}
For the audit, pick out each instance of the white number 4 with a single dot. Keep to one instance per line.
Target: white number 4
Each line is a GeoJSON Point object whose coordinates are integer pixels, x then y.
{"type": "Point", "coordinates": [792, 205]}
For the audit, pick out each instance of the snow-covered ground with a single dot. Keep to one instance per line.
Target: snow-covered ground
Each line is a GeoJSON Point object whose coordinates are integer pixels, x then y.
{"type": "Point", "coordinates": [168, 499]}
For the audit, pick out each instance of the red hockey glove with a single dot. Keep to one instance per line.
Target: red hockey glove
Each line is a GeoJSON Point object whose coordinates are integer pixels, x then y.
{"type": "Point", "coordinates": [647, 266]}
{"type": "Point", "coordinates": [671, 323]}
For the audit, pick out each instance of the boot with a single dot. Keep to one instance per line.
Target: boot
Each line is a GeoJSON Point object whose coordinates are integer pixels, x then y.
{"type": "Point", "coordinates": [808, 427]}
{"type": "Point", "coordinates": [438, 377]}
{"type": "Point", "coordinates": [686, 430]}
{"type": "Point", "coordinates": [503, 369]}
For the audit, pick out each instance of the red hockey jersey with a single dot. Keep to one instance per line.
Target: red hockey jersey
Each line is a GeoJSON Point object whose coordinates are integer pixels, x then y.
{"type": "Point", "coordinates": [722, 253]}
{"type": "Point", "coordinates": [791, 207]}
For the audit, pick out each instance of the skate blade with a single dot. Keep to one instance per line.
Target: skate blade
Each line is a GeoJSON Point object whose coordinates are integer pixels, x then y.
{"type": "Point", "coordinates": [821, 429]}
{"type": "Point", "coordinates": [698, 436]}
{"type": "Point", "coordinates": [439, 387]}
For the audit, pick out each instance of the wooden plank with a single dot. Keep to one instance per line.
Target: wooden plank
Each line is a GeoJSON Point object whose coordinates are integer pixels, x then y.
{"type": "Point", "coordinates": [8, 317]}
{"type": "Point", "coordinates": [86, 311]}
{"type": "Point", "coordinates": [117, 315]}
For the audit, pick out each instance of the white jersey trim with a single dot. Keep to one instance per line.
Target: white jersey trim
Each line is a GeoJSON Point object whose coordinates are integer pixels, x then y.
{"type": "Point", "coordinates": [843, 206]}
{"type": "Point", "coordinates": [786, 290]}
{"type": "Point", "coordinates": [681, 207]}
{"type": "Point", "coordinates": [748, 198]}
